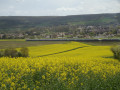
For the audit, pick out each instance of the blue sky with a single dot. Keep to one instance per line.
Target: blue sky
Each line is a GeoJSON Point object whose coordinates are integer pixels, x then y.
{"type": "Point", "coordinates": [57, 7]}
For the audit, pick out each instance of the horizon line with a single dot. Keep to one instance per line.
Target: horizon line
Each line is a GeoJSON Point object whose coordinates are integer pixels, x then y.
{"type": "Point", "coordinates": [56, 15]}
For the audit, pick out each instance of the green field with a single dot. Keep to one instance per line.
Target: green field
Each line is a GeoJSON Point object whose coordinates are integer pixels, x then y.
{"type": "Point", "coordinates": [22, 43]}
{"type": "Point", "coordinates": [61, 66]}
{"type": "Point", "coordinates": [16, 43]}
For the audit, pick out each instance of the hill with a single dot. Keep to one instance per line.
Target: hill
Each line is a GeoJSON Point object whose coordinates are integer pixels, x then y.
{"type": "Point", "coordinates": [25, 22]}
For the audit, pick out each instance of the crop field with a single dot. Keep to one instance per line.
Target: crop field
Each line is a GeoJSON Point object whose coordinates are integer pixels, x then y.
{"type": "Point", "coordinates": [16, 43]}
{"type": "Point", "coordinates": [65, 66]}
{"type": "Point", "coordinates": [103, 43]}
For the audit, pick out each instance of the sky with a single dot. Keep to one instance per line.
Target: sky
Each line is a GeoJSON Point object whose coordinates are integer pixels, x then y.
{"type": "Point", "coordinates": [57, 7]}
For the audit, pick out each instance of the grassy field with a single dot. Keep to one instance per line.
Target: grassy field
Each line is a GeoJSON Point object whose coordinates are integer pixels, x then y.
{"type": "Point", "coordinates": [68, 66]}
{"type": "Point", "coordinates": [12, 39]}
{"type": "Point", "coordinates": [22, 43]}
{"type": "Point", "coordinates": [16, 43]}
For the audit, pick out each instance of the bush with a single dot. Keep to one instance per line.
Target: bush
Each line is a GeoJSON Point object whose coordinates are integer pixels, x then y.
{"type": "Point", "coordinates": [116, 51]}
{"type": "Point", "coordinates": [19, 54]}
{"type": "Point", "coordinates": [1, 53]}
{"type": "Point", "coordinates": [10, 52]}
{"type": "Point", "coordinates": [24, 52]}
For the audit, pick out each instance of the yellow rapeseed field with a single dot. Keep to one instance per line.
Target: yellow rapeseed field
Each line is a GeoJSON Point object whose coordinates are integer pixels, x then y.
{"type": "Point", "coordinates": [70, 66]}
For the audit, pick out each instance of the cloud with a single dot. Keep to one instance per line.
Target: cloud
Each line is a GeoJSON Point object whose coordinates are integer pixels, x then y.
{"type": "Point", "coordinates": [21, 13]}
{"type": "Point", "coordinates": [20, 0]}
{"type": "Point", "coordinates": [57, 7]}
{"type": "Point", "coordinates": [91, 7]}
{"type": "Point", "coordinates": [118, 0]}
{"type": "Point", "coordinates": [11, 7]}
{"type": "Point", "coordinates": [66, 9]}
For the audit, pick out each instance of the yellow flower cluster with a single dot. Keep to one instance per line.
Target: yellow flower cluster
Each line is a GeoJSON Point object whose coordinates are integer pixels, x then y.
{"type": "Point", "coordinates": [65, 66]}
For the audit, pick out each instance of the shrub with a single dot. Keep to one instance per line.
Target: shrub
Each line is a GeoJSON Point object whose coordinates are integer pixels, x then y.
{"type": "Point", "coordinates": [19, 54]}
{"type": "Point", "coordinates": [116, 51]}
{"type": "Point", "coordinates": [24, 52]}
{"type": "Point", "coordinates": [10, 52]}
{"type": "Point", "coordinates": [1, 53]}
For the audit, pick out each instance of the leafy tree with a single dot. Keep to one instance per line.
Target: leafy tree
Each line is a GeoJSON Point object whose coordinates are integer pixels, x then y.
{"type": "Point", "coordinates": [24, 52]}
{"type": "Point", "coordinates": [116, 52]}
{"type": "Point", "coordinates": [10, 52]}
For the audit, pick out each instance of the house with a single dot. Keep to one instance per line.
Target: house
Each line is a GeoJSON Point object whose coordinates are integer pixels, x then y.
{"type": "Point", "coordinates": [1, 35]}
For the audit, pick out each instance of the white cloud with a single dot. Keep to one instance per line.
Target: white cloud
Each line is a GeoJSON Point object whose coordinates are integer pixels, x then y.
{"type": "Point", "coordinates": [11, 7]}
{"type": "Point", "coordinates": [58, 7]}
{"type": "Point", "coordinates": [66, 9]}
{"type": "Point", "coordinates": [20, 0]}
{"type": "Point", "coordinates": [21, 13]}
{"type": "Point", "coordinates": [91, 7]}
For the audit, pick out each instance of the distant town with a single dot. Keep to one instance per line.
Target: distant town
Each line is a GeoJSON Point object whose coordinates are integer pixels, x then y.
{"type": "Point", "coordinates": [65, 31]}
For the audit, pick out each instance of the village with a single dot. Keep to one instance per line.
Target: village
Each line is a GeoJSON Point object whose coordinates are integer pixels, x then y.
{"type": "Point", "coordinates": [62, 32]}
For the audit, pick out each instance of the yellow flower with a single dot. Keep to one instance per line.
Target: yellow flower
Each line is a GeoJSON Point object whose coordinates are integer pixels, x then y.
{"type": "Point", "coordinates": [3, 85]}
{"type": "Point", "coordinates": [81, 84]}
{"type": "Point", "coordinates": [12, 84]}
{"type": "Point", "coordinates": [11, 88]}
{"type": "Point", "coordinates": [43, 76]}
{"type": "Point", "coordinates": [28, 88]}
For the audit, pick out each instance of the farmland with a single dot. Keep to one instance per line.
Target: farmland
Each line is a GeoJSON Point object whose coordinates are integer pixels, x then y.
{"type": "Point", "coordinates": [62, 66]}
{"type": "Point", "coordinates": [16, 43]}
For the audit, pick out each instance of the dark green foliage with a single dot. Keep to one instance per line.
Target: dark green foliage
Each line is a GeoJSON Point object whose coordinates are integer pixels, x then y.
{"type": "Point", "coordinates": [116, 51]}
{"type": "Point", "coordinates": [11, 52]}
{"type": "Point", "coordinates": [24, 52]}
{"type": "Point", "coordinates": [19, 54]}
{"type": "Point", "coordinates": [1, 53]}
